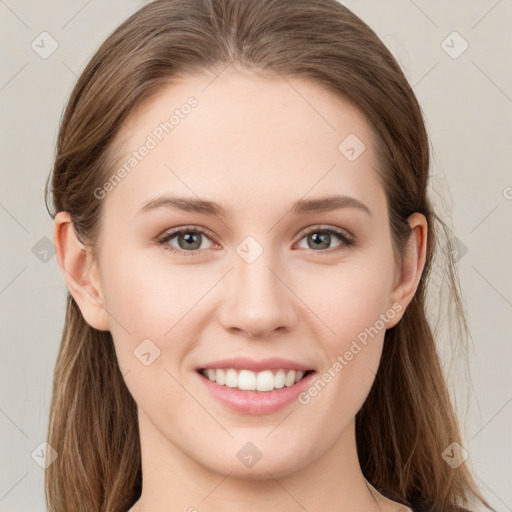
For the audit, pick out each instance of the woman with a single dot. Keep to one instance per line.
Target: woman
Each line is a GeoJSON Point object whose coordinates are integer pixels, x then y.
{"type": "Point", "coordinates": [284, 358]}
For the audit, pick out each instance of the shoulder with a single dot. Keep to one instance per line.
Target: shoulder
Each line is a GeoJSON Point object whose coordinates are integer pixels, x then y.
{"type": "Point", "coordinates": [421, 505]}
{"type": "Point", "coordinates": [416, 504]}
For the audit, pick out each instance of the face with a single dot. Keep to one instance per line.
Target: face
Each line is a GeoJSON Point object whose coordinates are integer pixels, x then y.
{"type": "Point", "coordinates": [275, 274]}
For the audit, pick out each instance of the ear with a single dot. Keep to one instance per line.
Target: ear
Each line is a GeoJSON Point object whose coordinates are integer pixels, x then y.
{"type": "Point", "coordinates": [412, 266]}
{"type": "Point", "coordinates": [80, 272]}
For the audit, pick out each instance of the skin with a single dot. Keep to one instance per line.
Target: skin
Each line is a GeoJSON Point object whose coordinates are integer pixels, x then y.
{"type": "Point", "coordinates": [255, 145]}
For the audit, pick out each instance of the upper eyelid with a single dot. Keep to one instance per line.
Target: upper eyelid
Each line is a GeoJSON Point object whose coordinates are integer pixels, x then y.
{"type": "Point", "coordinates": [204, 230]}
{"type": "Point", "coordinates": [324, 227]}
{"type": "Point", "coordinates": [171, 233]}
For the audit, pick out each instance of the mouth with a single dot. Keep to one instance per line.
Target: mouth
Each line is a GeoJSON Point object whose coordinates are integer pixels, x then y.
{"type": "Point", "coordinates": [268, 387]}
{"type": "Point", "coordinates": [247, 380]}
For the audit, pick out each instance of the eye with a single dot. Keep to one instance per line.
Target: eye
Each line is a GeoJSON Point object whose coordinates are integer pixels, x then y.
{"type": "Point", "coordinates": [320, 237]}
{"type": "Point", "coordinates": [188, 237]}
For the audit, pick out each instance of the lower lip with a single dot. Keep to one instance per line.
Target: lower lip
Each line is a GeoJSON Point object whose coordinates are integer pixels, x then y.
{"type": "Point", "coordinates": [256, 402]}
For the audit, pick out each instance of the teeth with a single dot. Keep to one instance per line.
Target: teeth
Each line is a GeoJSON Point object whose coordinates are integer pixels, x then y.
{"type": "Point", "coordinates": [279, 379]}
{"type": "Point", "coordinates": [263, 381]}
{"type": "Point", "coordinates": [231, 378]}
{"type": "Point", "coordinates": [247, 380]}
{"type": "Point", "coordinates": [220, 379]}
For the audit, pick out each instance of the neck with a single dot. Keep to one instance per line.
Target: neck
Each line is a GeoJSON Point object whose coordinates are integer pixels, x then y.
{"type": "Point", "coordinates": [172, 480]}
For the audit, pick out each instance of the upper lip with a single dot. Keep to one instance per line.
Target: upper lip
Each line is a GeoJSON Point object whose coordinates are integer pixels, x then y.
{"type": "Point", "coordinates": [273, 363]}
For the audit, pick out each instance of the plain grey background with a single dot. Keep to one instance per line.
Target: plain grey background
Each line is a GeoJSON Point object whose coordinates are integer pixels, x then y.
{"type": "Point", "coordinates": [463, 81]}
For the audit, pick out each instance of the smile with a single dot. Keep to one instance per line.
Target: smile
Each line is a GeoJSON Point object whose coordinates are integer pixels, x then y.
{"type": "Point", "coordinates": [247, 380]}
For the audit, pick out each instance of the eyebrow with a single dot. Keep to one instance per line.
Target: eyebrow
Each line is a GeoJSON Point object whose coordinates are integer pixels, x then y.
{"type": "Point", "coordinates": [301, 207]}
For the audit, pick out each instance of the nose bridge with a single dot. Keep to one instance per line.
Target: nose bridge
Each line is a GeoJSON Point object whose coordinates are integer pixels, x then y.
{"type": "Point", "coordinates": [259, 301]}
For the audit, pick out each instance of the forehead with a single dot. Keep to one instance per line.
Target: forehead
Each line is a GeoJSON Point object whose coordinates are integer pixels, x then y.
{"type": "Point", "coordinates": [244, 138]}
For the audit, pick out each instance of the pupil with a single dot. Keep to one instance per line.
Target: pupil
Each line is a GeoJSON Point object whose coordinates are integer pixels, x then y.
{"type": "Point", "coordinates": [323, 238]}
{"type": "Point", "coordinates": [189, 238]}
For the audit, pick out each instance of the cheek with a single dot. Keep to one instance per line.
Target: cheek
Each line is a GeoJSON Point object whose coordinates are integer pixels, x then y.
{"type": "Point", "coordinates": [354, 306]}
{"type": "Point", "coordinates": [355, 349]}
{"type": "Point", "coordinates": [147, 302]}
{"type": "Point", "coordinates": [352, 299]}
{"type": "Point", "coordinates": [352, 356]}
{"type": "Point", "coordinates": [149, 294]}
{"type": "Point", "coordinates": [149, 307]}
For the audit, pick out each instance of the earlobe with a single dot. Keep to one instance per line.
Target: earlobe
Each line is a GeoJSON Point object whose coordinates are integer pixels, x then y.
{"type": "Point", "coordinates": [80, 272]}
{"type": "Point", "coordinates": [413, 264]}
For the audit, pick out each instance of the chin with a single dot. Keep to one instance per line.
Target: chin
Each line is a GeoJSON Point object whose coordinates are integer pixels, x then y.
{"type": "Point", "coordinates": [263, 469]}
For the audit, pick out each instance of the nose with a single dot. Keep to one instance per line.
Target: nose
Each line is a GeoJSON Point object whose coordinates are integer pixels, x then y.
{"type": "Point", "coordinates": [258, 299]}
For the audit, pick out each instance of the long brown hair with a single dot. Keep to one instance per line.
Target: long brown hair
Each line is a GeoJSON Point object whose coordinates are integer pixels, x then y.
{"type": "Point", "coordinates": [408, 419]}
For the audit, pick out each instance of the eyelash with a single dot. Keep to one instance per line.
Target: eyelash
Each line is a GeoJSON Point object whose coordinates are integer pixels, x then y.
{"type": "Point", "coordinates": [347, 240]}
